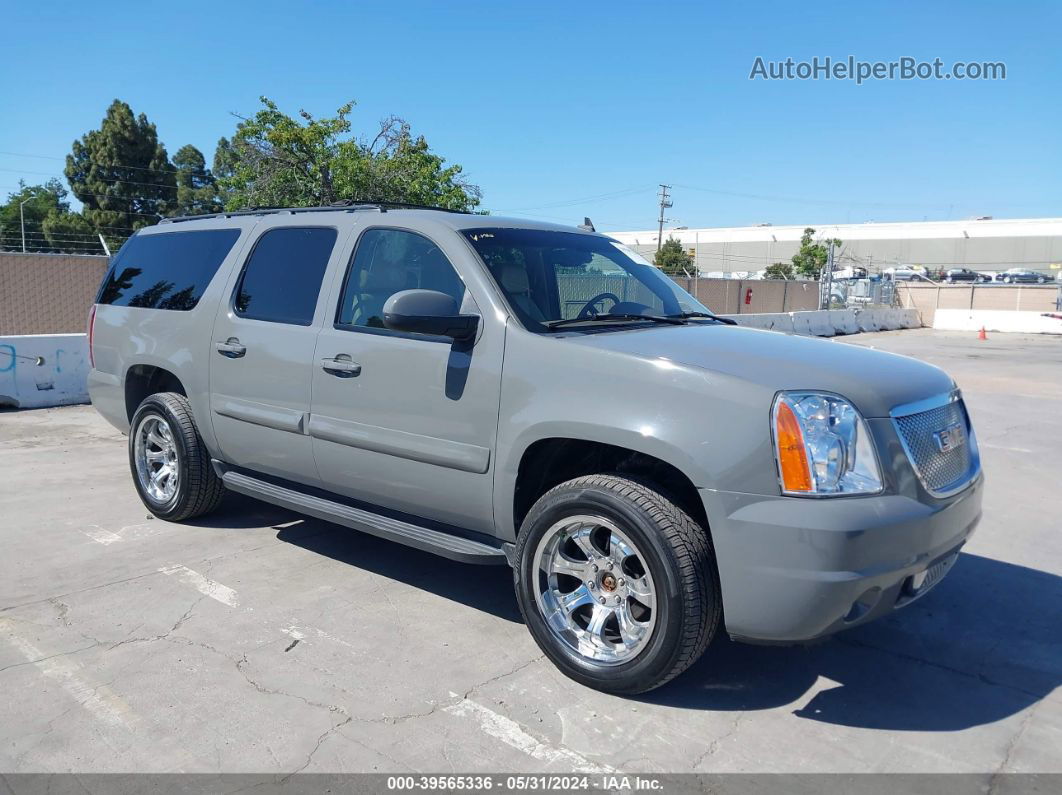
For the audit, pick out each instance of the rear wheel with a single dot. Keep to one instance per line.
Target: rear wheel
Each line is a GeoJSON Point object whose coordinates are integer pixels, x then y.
{"type": "Point", "coordinates": [617, 584]}
{"type": "Point", "coordinates": [169, 462]}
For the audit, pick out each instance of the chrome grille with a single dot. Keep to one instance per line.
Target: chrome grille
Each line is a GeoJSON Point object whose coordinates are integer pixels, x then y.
{"type": "Point", "coordinates": [941, 471]}
{"type": "Point", "coordinates": [936, 572]}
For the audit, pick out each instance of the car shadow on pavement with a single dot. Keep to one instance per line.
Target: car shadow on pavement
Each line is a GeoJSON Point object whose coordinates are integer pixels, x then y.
{"type": "Point", "coordinates": [485, 588]}
{"type": "Point", "coordinates": [984, 645]}
{"type": "Point", "coordinates": [238, 512]}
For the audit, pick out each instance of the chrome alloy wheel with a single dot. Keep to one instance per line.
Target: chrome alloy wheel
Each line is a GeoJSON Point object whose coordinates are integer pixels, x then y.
{"type": "Point", "coordinates": [155, 453]}
{"type": "Point", "coordinates": [594, 589]}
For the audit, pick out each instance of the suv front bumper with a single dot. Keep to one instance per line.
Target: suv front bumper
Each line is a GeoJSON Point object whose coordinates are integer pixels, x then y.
{"type": "Point", "coordinates": [792, 569]}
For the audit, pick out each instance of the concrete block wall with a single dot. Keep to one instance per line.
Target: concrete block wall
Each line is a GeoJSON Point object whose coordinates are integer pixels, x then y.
{"type": "Point", "coordinates": [47, 293]}
{"type": "Point", "coordinates": [929, 298]}
{"type": "Point", "coordinates": [729, 296]}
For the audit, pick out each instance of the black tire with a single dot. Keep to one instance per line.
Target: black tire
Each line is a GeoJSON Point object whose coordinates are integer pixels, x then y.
{"type": "Point", "coordinates": [199, 490]}
{"type": "Point", "coordinates": [678, 554]}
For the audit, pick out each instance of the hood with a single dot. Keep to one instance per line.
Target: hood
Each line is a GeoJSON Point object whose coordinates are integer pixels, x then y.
{"type": "Point", "coordinates": [874, 381]}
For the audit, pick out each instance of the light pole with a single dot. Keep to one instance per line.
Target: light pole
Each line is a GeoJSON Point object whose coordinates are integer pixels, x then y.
{"type": "Point", "coordinates": [22, 219]}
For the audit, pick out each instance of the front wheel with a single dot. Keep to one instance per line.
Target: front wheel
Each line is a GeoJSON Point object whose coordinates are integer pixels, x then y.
{"type": "Point", "coordinates": [617, 584]}
{"type": "Point", "coordinates": [170, 464]}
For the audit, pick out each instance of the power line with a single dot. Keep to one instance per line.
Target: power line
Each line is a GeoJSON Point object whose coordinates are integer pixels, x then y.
{"type": "Point", "coordinates": [570, 202]}
{"type": "Point", "coordinates": [113, 181]}
{"type": "Point", "coordinates": [93, 162]}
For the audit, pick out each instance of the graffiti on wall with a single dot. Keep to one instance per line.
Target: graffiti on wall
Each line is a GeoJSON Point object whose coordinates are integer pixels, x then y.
{"type": "Point", "coordinates": [43, 371]}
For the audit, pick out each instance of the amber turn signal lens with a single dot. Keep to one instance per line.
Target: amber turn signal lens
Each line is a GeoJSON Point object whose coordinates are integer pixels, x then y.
{"type": "Point", "coordinates": [792, 458]}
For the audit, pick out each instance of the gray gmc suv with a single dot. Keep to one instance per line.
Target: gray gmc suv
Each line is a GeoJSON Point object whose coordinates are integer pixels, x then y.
{"type": "Point", "coordinates": [504, 391]}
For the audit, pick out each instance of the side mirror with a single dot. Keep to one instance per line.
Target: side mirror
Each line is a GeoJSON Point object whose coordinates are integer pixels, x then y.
{"type": "Point", "coordinates": [428, 312]}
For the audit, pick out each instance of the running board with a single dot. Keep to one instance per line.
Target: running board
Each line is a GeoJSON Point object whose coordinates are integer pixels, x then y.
{"type": "Point", "coordinates": [448, 545]}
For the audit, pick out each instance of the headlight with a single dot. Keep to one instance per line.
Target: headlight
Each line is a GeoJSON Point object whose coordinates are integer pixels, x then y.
{"type": "Point", "coordinates": [822, 446]}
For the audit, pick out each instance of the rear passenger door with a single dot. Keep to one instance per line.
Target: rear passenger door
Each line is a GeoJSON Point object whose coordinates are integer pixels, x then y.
{"type": "Point", "coordinates": [262, 349]}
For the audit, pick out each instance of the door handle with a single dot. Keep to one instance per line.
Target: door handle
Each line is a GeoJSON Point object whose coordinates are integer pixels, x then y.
{"type": "Point", "coordinates": [341, 366]}
{"type": "Point", "coordinates": [231, 348]}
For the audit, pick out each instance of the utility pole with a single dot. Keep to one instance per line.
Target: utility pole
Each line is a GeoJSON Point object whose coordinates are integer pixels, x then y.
{"type": "Point", "coordinates": [829, 277]}
{"type": "Point", "coordinates": [22, 218]}
{"type": "Point", "coordinates": [665, 203]}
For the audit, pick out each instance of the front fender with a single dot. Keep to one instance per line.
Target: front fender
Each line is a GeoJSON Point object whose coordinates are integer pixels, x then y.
{"type": "Point", "coordinates": [711, 426]}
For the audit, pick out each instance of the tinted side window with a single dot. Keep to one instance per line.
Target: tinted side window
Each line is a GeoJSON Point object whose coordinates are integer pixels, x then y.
{"type": "Point", "coordinates": [282, 277]}
{"type": "Point", "coordinates": [388, 261]}
{"type": "Point", "coordinates": [167, 270]}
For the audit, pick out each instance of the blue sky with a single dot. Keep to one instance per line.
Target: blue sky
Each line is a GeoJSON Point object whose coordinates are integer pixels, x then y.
{"type": "Point", "coordinates": [560, 110]}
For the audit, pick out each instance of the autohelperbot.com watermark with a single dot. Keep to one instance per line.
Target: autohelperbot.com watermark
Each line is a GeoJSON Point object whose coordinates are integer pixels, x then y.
{"type": "Point", "coordinates": [851, 68]}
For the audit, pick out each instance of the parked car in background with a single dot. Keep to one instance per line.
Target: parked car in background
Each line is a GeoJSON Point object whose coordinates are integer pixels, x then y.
{"type": "Point", "coordinates": [851, 272]}
{"type": "Point", "coordinates": [905, 273]}
{"type": "Point", "coordinates": [1021, 276]}
{"type": "Point", "coordinates": [964, 275]}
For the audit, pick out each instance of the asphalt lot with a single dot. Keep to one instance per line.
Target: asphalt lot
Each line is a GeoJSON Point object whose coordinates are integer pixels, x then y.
{"type": "Point", "coordinates": [258, 641]}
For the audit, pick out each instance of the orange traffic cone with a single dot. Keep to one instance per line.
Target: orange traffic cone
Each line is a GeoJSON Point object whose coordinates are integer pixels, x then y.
{"type": "Point", "coordinates": [981, 334]}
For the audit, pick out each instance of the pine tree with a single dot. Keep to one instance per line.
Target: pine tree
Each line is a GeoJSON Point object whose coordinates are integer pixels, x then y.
{"type": "Point", "coordinates": [122, 174]}
{"type": "Point", "coordinates": [70, 232]}
{"type": "Point", "coordinates": [672, 259]}
{"type": "Point", "coordinates": [197, 190]}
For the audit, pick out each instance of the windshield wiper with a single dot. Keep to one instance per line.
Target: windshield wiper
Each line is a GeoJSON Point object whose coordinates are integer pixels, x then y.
{"type": "Point", "coordinates": [674, 320]}
{"type": "Point", "coordinates": [686, 315]}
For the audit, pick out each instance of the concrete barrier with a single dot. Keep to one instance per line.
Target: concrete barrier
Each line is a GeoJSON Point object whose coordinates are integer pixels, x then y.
{"type": "Point", "coordinates": [815, 324]}
{"type": "Point", "coordinates": [827, 323]}
{"type": "Point", "coordinates": [890, 319]}
{"type": "Point", "coordinates": [41, 370]}
{"type": "Point", "coordinates": [998, 320]}
{"type": "Point", "coordinates": [770, 321]}
{"type": "Point", "coordinates": [867, 320]}
{"type": "Point", "coordinates": [910, 318]}
{"type": "Point", "coordinates": [844, 321]}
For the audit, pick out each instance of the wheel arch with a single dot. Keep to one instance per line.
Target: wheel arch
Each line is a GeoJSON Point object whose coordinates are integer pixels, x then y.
{"type": "Point", "coordinates": [142, 380]}
{"type": "Point", "coordinates": [548, 461]}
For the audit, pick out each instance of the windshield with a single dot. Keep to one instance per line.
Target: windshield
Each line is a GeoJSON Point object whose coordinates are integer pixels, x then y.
{"type": "Point", "coordinates": [549, 276]}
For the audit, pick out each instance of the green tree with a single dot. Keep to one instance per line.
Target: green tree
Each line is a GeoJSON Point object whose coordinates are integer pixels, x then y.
{"type": "Point", "coordinates": [122, 174]}
{"type": "Point", "coordinates": [197, 189]}
{"type": "Point", "coordinates": [72, 233]}
{"type": "Point", "coordinates": [779, 270]}
{"type": "Point", "coordinates": [224, 170]}
{"type": "Point", "coordinates": [672, 259]}
{"type": "Point", "coordinates": [810, 260]}
{"type": "Point", "coordinates": [276, 160]}
{"type": "Point", "coordinates": [37, 202]}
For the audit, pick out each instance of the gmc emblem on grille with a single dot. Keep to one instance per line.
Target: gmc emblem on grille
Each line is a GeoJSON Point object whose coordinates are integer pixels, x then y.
{"type": "Point", "coordinates": [951, 437]}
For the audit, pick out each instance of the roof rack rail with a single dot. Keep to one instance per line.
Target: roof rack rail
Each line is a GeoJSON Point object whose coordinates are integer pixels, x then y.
{"type": "Point", "coordinates": [344, 205]}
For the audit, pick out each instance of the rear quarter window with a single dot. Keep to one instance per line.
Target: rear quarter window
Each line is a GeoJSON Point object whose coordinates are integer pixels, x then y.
{"type": "Point", "coordinates": [166, 271]}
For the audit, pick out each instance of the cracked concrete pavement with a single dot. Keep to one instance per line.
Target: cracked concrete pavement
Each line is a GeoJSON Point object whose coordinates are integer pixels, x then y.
{"type": "Point", "coordinates": [255, 640]}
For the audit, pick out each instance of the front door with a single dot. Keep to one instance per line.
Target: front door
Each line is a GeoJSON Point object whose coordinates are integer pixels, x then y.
{"type": "Point", "coordinates": [262, 351]}
{"type": "Point", "coordinates": [405, 421]}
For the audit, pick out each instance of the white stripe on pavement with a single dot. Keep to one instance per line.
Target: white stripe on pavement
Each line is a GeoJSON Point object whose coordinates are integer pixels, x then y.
{"type": "Point", "coordinates": [207, 587]}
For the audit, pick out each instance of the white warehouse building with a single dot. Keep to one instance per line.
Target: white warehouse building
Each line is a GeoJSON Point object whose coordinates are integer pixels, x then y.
{"type": "Point", "coordinates": [979, 244]}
